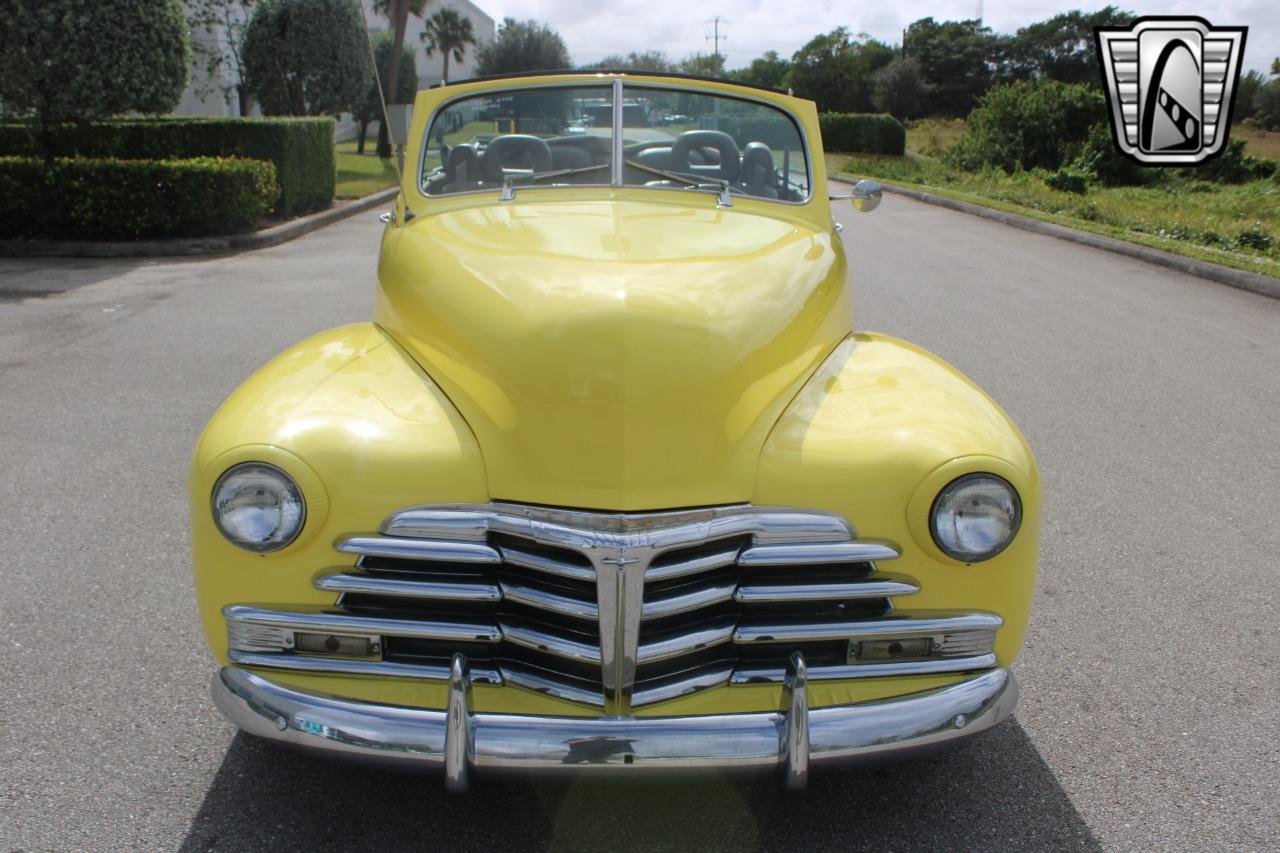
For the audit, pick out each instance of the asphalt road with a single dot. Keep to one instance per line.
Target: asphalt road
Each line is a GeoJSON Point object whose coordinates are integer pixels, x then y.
{"type": "Point", "coordinates": [1150, 688]}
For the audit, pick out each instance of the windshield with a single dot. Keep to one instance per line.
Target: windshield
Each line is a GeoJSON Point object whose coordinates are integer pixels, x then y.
{"type": "Point", "coordinates": [672, 138]}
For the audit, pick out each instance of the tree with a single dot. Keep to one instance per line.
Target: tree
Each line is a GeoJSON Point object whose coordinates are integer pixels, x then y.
{"type": "Point", "coordinates": [397, 12]}
{"type": "Point", "coordinates": [522, 46]}
{"type": "Point", "coordinates": [703, 65]}
{"type": "Point", "coordinates": [1063, 47]}
{"type": "Point", "coordinates": [1266, 105]}
{"type": "Point", "coordinates": [307, 57]}
{"type": "Point", "coordinates": [836, 70]}
{"type": "Point", "coordinates": [768, 70]}
{"type": "Point", "coordinates": [649, 60]}
{"type": "Point", "coordinates": [219, 26]}
{"type": "Point", "coordinates": [370, 108]}
{"type": "Point", "coordinates": [958, 58]}
{"type": "Point", "coordinates": [80, 60]}
{"type": "Point", "coordinates": [900, 89]}
{"type": "Point", "coordinates": [1246, 92]}
{"type": "Point", "coordinates": [448, 32]}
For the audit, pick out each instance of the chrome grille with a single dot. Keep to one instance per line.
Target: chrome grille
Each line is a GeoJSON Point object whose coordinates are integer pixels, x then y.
{"type": "Point", "coordinates": [615, 610]}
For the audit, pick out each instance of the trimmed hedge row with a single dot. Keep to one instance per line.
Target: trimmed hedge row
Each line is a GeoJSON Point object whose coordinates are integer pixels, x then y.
{"type": "Point", "coordinates": [301, 149]}
{"type": "Point", "coordinates": [88, 199]}
{"type": "Point", "coordinates": [863, 133]}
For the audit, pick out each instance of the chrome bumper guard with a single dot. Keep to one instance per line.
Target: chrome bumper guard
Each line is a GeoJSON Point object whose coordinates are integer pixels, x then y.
{"type": "Point", "coordinates": [461, 741]}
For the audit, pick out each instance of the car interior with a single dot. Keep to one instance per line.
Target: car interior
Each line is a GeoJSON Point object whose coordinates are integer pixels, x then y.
{"type": "Point", "coordinates": [707, 156]}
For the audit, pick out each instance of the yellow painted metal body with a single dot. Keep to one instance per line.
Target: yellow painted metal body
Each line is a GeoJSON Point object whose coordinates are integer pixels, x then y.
{"type": "Point", "coordinates": [619, 349]}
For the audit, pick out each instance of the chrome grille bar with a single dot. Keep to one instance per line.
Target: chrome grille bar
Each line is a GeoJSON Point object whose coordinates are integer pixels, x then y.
{"type": "Point", "coordinates": [897, 625]}
{"type": "Point", "coordinates": [550, 565]}
{"type": "Point", "coordinates": [880, 586]}
{"type": "Point", "coordinates": [339, 623]}
{"type": "Point", "coordinates": [435, 590]}
{"type": "Point", "coordinates": [417, 549]}
{"type": "Point", "coordinates": [616, 610]}
{"type": "Point", "coordinates": [562, 604]}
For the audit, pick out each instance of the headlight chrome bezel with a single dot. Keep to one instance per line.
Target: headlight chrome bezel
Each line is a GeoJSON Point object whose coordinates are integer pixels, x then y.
{"type": "Point", "coordinates": [951, 489]}
{"type": "Point", "coordinates": [290, 488]}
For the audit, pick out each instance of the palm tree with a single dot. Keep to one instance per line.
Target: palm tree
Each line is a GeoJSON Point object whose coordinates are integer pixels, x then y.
{"type": "Point", "coordinates": [449, 32]}
{"type": "Point", "coordinates": [397, 12]}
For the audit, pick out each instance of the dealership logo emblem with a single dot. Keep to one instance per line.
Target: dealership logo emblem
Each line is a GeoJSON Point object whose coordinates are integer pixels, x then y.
{"type": "Point", "coordinates": [1170, 83]}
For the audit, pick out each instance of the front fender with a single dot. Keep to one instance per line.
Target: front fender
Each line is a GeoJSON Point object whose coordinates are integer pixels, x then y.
{"type": "Point", "coordinates": [376, 434]}
{"type": "Point", "coordinates": [877, 431]}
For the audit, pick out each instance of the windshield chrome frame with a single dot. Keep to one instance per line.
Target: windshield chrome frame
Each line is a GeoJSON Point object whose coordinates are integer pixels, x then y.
{"type": "Point", "coordinates": [617, 138]}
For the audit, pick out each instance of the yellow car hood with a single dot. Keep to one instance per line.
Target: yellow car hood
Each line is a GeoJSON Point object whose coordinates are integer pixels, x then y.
{"type": "Point", "coordinates": [616, 354]}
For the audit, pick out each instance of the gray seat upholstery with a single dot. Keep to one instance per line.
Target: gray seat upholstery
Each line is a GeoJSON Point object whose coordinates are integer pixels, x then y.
{"type": "Point", "coordinates": [462, 168]}
{"type": "Point", "coordinates": [758, 175]}
{"type": "Point", "coordinates": [569, 157]}
{"type": "Point", "coordinates": [514, 151]}
{"type": "Point", "coordinates": [655, 158]}
{"type": "Point", "coordinates": [716, 140]}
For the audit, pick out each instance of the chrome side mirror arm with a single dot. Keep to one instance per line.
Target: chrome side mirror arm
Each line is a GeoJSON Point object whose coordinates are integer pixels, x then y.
{"type": "Point", "coordinates": [865, 196]}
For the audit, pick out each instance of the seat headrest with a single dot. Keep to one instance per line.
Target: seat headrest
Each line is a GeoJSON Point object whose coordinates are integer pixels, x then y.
{"type": "Point", "coordinates": [514, 151]}
{"type": "Point", "coordinates": [717, 139]}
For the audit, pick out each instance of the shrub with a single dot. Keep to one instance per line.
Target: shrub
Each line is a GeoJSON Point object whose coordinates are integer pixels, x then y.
{"type": "Point", "coordinates": [1233, 166]}
{"type": "Point", "coordinates": [300, 149]}
{"type": "Point", "coordinates": [90, 199]}
{"type": "Point", "coordinates": [1068, 181]}
{"type": "Point", "coordinates": [1028, 124]}
{"type": "Point", "coordinates": [862, 132]}
{"type": "Point", "coordinates": [1100, 159]}
{"type": "Point", "coordinates": [83, 59]}
{"type": "Point", "coordinates": [307, 57]}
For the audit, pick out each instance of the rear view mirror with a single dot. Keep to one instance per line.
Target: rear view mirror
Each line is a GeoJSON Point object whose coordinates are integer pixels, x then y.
{"type": "Point", "coordinates": [866, 196]}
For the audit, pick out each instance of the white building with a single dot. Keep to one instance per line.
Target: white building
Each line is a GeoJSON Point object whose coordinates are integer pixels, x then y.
{"type": "Point", "coordinates": [216, 96]}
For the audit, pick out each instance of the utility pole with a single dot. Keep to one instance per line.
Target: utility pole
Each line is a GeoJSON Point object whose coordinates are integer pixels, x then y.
{"type": "Point", "coordinates": [715, 37]}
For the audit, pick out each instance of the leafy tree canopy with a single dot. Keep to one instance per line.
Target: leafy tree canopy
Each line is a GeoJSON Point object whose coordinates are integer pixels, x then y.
{"type": "Point", "coordinates": [522, 46]}
{"type": "Point", "coordinates": [649, 60]}
{"type": "Point", "coordinates": [958, 57]}
{"type": "Point", "coordinates": [370, 109]}
{"type": "Point", "coordinates": [86, 59]}
{"type": "Point", "coordinates": [448, 32]}
{"type": "Point", "coordinates": [768, 70]}
{"type": "Point", "coordinates": [900, 89]}
{"type": "Point", "coordinates": [1062, 48]}
{"type": "Point", "coordinates": [307, 57]}
{"type": "Point", "coordinates": [703, 64]}
{"type": "Point", "coordinates": [835, 70]}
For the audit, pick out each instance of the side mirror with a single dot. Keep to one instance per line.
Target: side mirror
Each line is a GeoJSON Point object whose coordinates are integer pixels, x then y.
{"type": "Point", "coordinates": [866, 196]}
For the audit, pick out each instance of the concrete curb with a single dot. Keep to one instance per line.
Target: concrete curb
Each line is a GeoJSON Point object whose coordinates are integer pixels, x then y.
{"type": "Point", "coordinates": [1251, 281]}
{"type": "Point", "coordinates": [273, 236]}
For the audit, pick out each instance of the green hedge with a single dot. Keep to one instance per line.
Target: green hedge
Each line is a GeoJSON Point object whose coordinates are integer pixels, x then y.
{"type": "Point", "coordinates": [863, 133]}
{"type": "Point", "coordinates": [88, 199]}
{"type": "Point", "coordinates": [300, 148]}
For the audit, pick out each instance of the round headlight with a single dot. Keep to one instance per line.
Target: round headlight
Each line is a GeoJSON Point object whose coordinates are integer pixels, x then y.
{"type": "Point", "coordinates": [975, 517]}
{"type": "Point", "coordinates": [258, 507]}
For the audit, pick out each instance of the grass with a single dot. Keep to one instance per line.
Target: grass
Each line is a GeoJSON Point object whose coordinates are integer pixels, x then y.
{"type": "Point", "coordinates": [1234, 225]}
{"type": "Point", "coordinates": [1258, 142]}
{"type": "Point", "coordinates": [360, 175]}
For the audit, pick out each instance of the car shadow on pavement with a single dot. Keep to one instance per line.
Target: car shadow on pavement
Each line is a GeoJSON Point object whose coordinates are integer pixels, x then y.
{"type": "Point", "coordinates": [992, 793]}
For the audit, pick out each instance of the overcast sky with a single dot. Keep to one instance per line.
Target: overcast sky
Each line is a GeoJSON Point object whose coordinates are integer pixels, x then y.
{"type": "Point", "coordinates": [680, 28]}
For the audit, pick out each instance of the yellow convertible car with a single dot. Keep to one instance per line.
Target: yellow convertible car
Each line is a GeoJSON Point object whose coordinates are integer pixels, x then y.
{"type": "Point", "coordinates": [610, 483]}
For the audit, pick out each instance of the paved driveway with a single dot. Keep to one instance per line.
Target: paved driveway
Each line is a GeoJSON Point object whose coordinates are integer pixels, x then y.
{"type": "Point", "coordinates": [1149, 718]}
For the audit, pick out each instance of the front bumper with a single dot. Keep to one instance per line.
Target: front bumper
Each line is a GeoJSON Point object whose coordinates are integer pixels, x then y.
{"type": "Point", "coordinates": [460, 741]}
